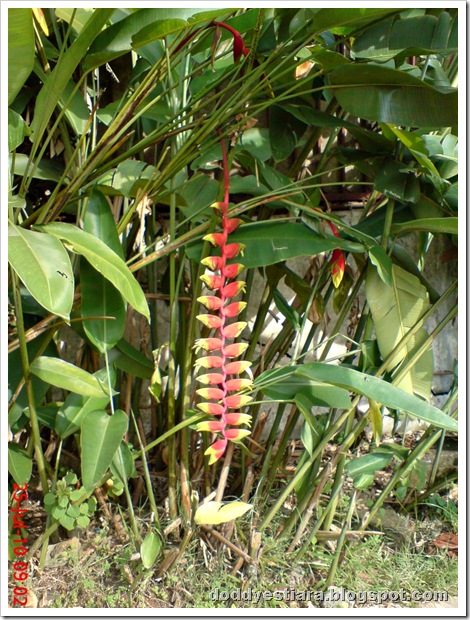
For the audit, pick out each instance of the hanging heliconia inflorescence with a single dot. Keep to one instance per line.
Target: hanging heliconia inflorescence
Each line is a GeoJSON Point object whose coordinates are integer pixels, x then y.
{"type": "Point", "coordinates": [222, 398]}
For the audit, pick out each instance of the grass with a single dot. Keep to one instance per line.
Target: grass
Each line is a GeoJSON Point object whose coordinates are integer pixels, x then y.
{"type": "Point", "coordinates": [103, 570]}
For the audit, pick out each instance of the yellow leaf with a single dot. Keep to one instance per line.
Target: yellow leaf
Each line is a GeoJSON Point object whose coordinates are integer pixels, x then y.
{"type": "Point", "coordinates": [39, 15]}
{"type": "Point", "coordinates": [214, 513]}
{"type": "Point", "coordinates": [375, 420]}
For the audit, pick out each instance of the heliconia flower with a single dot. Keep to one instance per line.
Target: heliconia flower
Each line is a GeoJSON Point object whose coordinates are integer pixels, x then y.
{"type": "Point", "coordinates": [216, 450]}
{"type": "Point", "coordinates": [235, 419]}
{"type": "Point", "coordinates": [211, 378]}
{"type": "Point", "coordinates": [208, 344]}
{"type": "Point", "coordinates": [337, 267]}
{"type": "Point", "coordinates": [232, 271]}
{"type": "Point", "coordinates": [217, 239]}
{"type": "Point", "coordinates": [223, 281]}
{"type": "Point", "coordinates": [237, 400]}
{"type": "Point", "coordinates": [211, 361]}
{"type": "Point", "coordinates": [211, 408]}
{"type": "Point", "coordinates": [233, 330]}
{"type": "Point", "coordinates": [213, 281]}
{"type": "Point", "coordinates": [210, 320]}
{"type": "Point", "coordinates": [232, 224]}
{"type": "Point", "coordinates": [235, 368]}
{"type": "Point", "coordinates": [213, 262]}
{"type": "Point", "coordinates": [235, 385]}
{"type": "Point", "coordinates": [234, 309]}
{"type": "Point", "coordinates": [211, 392]}
{"type": "Point", "coordinates": [213, 426]}
{"type": "Point", "coordinates": [235, 349]}
{"type": "Point", "coordinates": [235, 434]}
{"type": "Point", "coordinates": [211, 302]}
{"type": "Point", "coordinates": [232, 289]}
{"type": "Point", "coordinates": [233, 249]}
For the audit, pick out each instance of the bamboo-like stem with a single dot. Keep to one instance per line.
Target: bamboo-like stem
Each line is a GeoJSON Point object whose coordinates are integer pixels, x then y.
{"type": "Point", "coordinates": [341, 541]}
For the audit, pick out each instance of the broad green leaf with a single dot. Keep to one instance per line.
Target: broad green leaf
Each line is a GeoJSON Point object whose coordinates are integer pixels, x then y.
{"type": "Point", "coordinates": [101, 436]}
{"type": "Point", "coordinates": [395, 309]}
{"type": "Point", "coordinates": [413, 36]}
{"type": "Point", "coordinates": [68, 377]}
{"type": "Point", "coordinates": [379, 93]}
{"type": "Point", "coordinates": [118, 38]}
{"type": "Point", "coordinates": [57, 80]}
{"type": "Point", "coordinates": [381, 391]}
{"type": "Point", "coordinates": [284, 131]}
{"type": "Point", "coordinates": [129, 176]}
{"type": "Point", "coordinates": [273, 241]}
{"type": "Point", "coordinates": [215, 513]}
{"type": "Point", "coordinates": [77, 17]}
{"type": "Point", "coordinates": [20, 464]}
{"type": "Point", "coordinates": [100, 298]}
{"type": "Point", "coordinates": [317, 393]}
{"type": "Point", "coordinates": [46, 170]}
{"type": "Point", "coordinates": [311, 431]}
{"type": "Point", "coordinates": [367, 464]}
{"type": "Point", "coordinates": [150, 549]}
{"type": "Point", "coordinates": [123, 465]}
{"type": "Point", "coordinates": [17, 130]}
{"type": "Point", "coordinates": [129, 359]}
{"type": "Point", "coordinates": [394, 182]}
{"type": "Point", "coordinates": [76, 406]}
{"type": "Point", "coordinates": [343, 20]}
{"type": "Point", "coordinates": [434, 225]}
{"type": "Point", "coordinates": [43, 266]}
{"type": "Point", "coordinates": [379, 257]}
{"type": "Point", "coordinates": [20, 49]}
{"type": "Point", "coordinates": [103, 259]}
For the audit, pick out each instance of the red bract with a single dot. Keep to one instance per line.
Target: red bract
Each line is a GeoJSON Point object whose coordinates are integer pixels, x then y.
{"type": "Point", "coordinates": [220, 390]}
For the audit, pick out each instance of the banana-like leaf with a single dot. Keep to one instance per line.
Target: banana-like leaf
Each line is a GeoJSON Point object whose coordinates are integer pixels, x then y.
{"type": "Point", "coordinates": [344, 21]}
{"type": "Point", "coordinates": [271, 242]}
{"type": "Point", "coordinates": [68, 377]}
{"type": "Point", "coordinates": [20, 464]}
{"type": "Point", "coordinates": [76, 406]}
{"type": "Point", "coordinates": [150, 549]}
{"type": "Point", "coordinates": [433, 225]}
{"type": "Point", "coordinates": [129, 359]}
{"type": "Point", "coordinates": [395, 309]}
{"type": "Point", "coordinates": [103, 259]}
{"type": "Point", "coordinates": [379, 93]}
{"type": "Point", "coordinates": [43, 266]}
{"type": "Point", "coordinates": [413, 36]}
{"type": "Point", "coordinates": [57, 81]}
{"type": "Point", "coordinates": [100, 298]}
{"type": "Point", "coordinates": [215, 513]}
{"type": "Point", "coordinates": [101, 436]}
{"type": "Point", "coordinates": [361, 383]}
{"type": "Point", "coordinates": [20, 49]}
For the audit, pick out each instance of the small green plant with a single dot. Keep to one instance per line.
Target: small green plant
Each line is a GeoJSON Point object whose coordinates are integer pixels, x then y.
{"type": "Point", "coordinates": [62, 505]}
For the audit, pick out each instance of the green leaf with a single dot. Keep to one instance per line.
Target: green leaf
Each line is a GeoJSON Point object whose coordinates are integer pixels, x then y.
{"type": "Point", "coordinates": [76, 406]}
{"type": "Point", "coordinates": [129, 359]}
{"type": "Point", "coordinates": [413, 36]}
{"type": "Point", "coordinates": [343, 20]}
{"type": "Point", "coordinates": [123, 465]}
{"type": "Point", "coordinates": [129, 176]}
{"type": "Point", "coordinates": [100, 438]}
{"type": "Point", "coordinates": [372, 387]}
{"type": "Point", "coordinates": [395, 309]}
{"type": "Point", "coordinates": [46, 170]}
{"type": "Point", "coordinates": [394, 182]}
{"type": "Point", "coordinates": [379, 93]}
{"type": "Point", "coordinates": [17, 130]}
{"type": "Point", "coordinates": [434, 225]}
{"type": "Point", "coordinates": [273, 241]}
{"type": "Point", "coordinates": [100, 298]}
{"type": "Point", "coordinates": [376, 420]}
{"type": "Point", "coordinates": [284, 130]}
{"type": "Point", "coordinates": [67, 376]}
{"type": "Point", "coordinates": [20, 49]}
{"type": "Point", "coordinates": [103, 259]}
{"type": "Point", "coordinates": [58, 79]}
{"type": "Point", "coordinates": [317, 393]}
{"type": "Point", "coordinates": [44, 267]}
{"type": "Point", "coordinates": [150, 549]}
{"type": "Point", "coordinates": [20, 464]}
{"type": "Point", "coordinates": [379, 257]}
{"type": "Point", "coordinates": [367, 464]}
{"type": "Point", "coordinates": [215, 513]}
